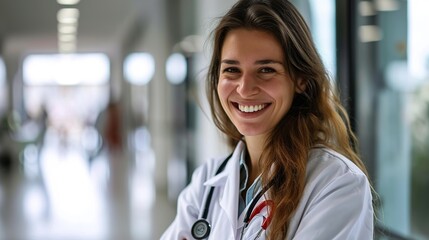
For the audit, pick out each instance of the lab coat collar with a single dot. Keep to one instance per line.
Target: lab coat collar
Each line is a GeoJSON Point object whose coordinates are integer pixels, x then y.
{"type": "Point", "coordinates": [232, 165]}
{"type": "Point", "coordinates": [228, 180]}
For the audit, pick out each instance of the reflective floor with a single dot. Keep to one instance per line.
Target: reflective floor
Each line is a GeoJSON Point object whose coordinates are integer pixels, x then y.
{"type": "Point", "coordinates": [60, 192]}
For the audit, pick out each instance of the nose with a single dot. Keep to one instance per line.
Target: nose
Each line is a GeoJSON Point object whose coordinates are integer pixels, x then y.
{"type": "Point", "coordinates": [247, 86]}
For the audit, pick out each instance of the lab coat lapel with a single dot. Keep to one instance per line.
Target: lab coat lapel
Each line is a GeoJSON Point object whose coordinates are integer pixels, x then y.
{"type": "Point", "coordinates": [229, 197]}
{"type": "Point", "coordinates": [228, 182]}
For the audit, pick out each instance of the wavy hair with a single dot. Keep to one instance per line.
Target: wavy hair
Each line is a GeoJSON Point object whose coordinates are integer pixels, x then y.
{"type": "Point", "coordinates": [316, 115]}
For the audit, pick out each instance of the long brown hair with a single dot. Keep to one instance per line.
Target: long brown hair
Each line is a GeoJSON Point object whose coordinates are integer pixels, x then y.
{"type": "Point", "coordinates": [316, 115]}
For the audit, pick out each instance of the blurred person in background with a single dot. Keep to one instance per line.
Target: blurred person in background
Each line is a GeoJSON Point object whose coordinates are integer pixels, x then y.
{"type": "Point", "coordinates": [108, 124]}
{"type": "Point", "coordinates": [295, 172]}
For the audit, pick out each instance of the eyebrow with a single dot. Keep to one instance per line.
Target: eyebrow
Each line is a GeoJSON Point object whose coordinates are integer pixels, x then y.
{"type": "Point", "coordinates": [259, 62]}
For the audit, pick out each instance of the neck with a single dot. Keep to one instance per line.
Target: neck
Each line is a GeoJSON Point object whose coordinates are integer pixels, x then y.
{"type": "Point", "coordinates": [255, 146]}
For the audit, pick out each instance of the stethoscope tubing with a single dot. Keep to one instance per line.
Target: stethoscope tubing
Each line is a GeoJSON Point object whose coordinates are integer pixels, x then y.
{"type": "Point", "coordinates": [210, 195]}
{"type": "Point", "coordinates": [201, 228]}
{"type": "Point", "coordinates": [250, 213]}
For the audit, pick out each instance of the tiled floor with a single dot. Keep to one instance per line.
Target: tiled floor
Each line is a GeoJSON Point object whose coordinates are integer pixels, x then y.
{"type": "Point", "coordinates": [63, 195]}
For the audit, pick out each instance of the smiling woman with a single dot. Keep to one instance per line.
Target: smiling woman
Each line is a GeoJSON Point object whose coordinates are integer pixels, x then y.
{"type": "Point", "coordinates": [294, 163]}
{"type": "Point", "coordinates": [254, 88]}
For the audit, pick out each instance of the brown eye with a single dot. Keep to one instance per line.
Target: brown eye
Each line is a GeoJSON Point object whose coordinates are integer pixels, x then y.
{"type": "Point", "coordinates": [231, 70]}
{"type": "Point", "coordinates": [267, 70]}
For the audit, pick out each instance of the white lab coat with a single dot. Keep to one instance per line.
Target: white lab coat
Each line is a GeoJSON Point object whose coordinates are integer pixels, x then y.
{"type": "Point", "coordinates": [336, 204]}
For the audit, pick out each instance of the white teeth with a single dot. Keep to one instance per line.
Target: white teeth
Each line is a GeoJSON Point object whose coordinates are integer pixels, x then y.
{"type": "Point", "coordinates": [249, 109]}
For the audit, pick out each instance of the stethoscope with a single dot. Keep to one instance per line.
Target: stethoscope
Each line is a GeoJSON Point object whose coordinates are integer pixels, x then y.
{"type": "Point", "coordinates": [267, 220]}
{"type": "Point", "coordinates": [201, 228]}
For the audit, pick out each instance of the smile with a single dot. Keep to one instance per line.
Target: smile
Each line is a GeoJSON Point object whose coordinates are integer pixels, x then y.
{"type": "Point", "coordinates": [252, 108]}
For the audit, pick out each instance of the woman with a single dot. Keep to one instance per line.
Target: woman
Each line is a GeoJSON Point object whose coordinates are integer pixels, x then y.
{"type": "Point", "coordinates": [294, 173]}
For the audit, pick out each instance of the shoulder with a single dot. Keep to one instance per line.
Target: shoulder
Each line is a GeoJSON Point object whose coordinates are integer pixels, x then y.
{"type": "Point", "coordinates": [335, 186]}
{"type": "Point", "coordinates": [325, 161]}
{"type": "Point", "coordinates": [328, 170]}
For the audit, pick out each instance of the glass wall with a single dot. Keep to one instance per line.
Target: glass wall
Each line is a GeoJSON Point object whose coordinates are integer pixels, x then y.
{"type": "Point", "coordinates": [320, 16]}
{"type": "Point", "coordinates": [377, 50]}
{"type": "Point", "coordinates": [392, 89]}
{"type": "Point", "coordinates": [3, 87]}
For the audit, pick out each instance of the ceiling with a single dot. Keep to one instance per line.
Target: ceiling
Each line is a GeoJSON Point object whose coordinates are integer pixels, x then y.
{"type": "Point", "coordinates": [28, 26]}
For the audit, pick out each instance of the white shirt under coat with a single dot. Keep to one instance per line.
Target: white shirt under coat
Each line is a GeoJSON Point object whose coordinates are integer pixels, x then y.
{"type": "Point", "coordinates": [336, 204]}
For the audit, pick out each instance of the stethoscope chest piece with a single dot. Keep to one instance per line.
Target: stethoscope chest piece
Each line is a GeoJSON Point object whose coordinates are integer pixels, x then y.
{"type": "Point", "coordinates": [201, 229]}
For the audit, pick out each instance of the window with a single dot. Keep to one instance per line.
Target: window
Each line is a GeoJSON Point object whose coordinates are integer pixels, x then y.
{"type": "Point", "coordinates": [66, 69]}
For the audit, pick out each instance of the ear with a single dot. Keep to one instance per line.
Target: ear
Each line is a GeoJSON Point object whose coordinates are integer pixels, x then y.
{"type": "Point", "coordinates": [300, 85]}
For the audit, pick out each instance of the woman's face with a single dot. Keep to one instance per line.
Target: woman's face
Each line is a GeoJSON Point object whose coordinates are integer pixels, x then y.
{"type": "Point", "coordinates": [254, 88]}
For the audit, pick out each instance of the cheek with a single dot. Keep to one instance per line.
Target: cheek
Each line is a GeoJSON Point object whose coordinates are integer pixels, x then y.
{"type": "Point", "coordinates": [224, 89]}
{"type": "Point", "coordinates": [221, 94]}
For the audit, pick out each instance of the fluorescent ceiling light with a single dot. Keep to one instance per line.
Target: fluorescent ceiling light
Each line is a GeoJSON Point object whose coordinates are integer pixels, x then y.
{"type": "Point", "coordinates": [66, 47]}
{"type": "Point", "coordinates": [387, 5]}
{"type": "Point", "coordinates": [366, 8]}
{"type": "Point", "coordinates": [370, 33]}
{"type": "Point", "coordinates": [139, 68]}
{"type": "Point", "coordinates": [67, 28]}
{"type": "Point", "coordinates": [66, 37]}
{"type": "Point", "coordinates": [68, 2]}
{"type": "Point", "coordinates": [176, 68]}
{"type": "Point", "coordinates": [68, 15]}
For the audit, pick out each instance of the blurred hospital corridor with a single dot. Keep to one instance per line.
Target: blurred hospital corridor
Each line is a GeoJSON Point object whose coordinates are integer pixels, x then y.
{"type": "Point", "coordinates": [104, 115]}
{"type": "Point", "coordinates": [63, 191]}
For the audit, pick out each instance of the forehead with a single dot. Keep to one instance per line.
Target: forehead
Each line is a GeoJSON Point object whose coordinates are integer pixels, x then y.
{"type": "Point", "coordinates": [250, 44]}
